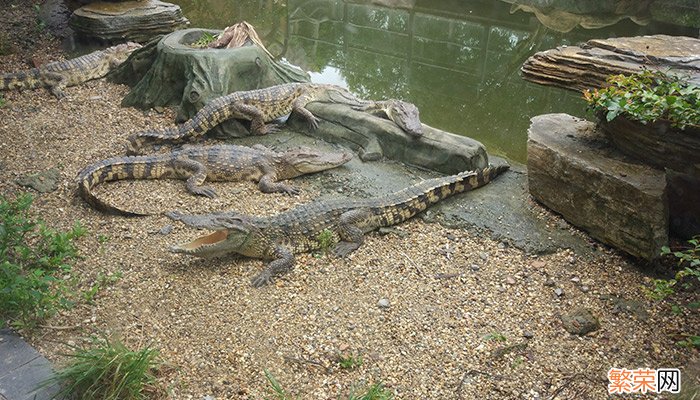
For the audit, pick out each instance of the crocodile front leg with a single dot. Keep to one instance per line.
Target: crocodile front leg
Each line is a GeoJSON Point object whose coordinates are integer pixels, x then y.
{"type": "Point", "coordinates": [299, 106]}
{"type": "Point", "coordinates": [198, 174]}
{"type": "Point", "coordinates": [283, 262]}
{"type": "Point", "coordinates": [268, 183]}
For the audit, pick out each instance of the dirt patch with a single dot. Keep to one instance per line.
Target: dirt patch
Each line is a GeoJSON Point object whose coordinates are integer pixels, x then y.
{"type": "Point", "coordinates": [436, 313]}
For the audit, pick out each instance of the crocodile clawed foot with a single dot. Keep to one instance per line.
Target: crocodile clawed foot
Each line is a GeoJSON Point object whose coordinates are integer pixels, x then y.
{"type": "Point", "coordinates": [342, 249]}
{"type": "Point", "coordinates": [262, 279]}
{"type": "Point", "coordinates": [313, 123]}
{"type": "Point", "coordinates": [205, 191]}
{"type": "Point", "coordinates": [291, 191]}
{"type": "Point", "coordinates": [269, 128]}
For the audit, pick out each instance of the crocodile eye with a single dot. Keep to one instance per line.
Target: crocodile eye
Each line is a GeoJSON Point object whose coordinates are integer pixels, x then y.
{"type": "Point", "coordinates": [194, 96]}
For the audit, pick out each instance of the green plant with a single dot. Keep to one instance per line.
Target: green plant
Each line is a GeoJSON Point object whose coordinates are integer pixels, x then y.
{"type": "Point", "coordinates": [688, 277]}
{"type": "Point", "coordinates": [325, 241]}
{"type": "Point", "coordinates": [494, 336]}
{"type": "Point", "coordinates": [109, 370]}
{"type": "Point", "coordinates": [646, 97]}
{"type": "Point", "coordinates": [102, 239]}
{"type": "Point", "coordinates": [688, 260]}
{"type": "Point", "coordinates": [2, 98]}
{"type": "Point", "coordinates": [350, 361]}
{"type": "Point", "coordinates": [278, 392]}
{"type": "Point", "coordinates": [34, 268]}
{"type": "Point", "coordinates": [204, 40]}
{"type": "Point", "coordinates": [376, 391]}
{"type": "Point", "coordinates": [100, 282]}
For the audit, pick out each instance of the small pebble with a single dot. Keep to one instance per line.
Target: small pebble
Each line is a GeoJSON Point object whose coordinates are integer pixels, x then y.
{"type": "Point", "coordinates": [528, 335]}
{"type": "Point", "coordinates": [484, 256]}
{"type": "Point", "coordinates": [383, 303]}
{"type": "Point", "coordinates": [474, 267]}
{"type": "Point", "coordinates": [559, 292]}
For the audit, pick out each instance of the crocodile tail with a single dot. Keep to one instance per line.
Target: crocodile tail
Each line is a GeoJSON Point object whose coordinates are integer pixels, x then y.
{"type": "Point", "coordinates": [29, 79]}
{"type": "Point", "coordinates": [118, 168]}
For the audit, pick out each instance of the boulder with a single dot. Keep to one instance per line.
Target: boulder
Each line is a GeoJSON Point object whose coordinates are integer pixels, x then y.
{"type": "Point", "coordinates": [580, 321]}
{"type": "Point", "coordinates": [374, 137]}
{"type": "Point", "coordinates": [575, 171]}
{"type": "Point", "coordinates": [587, 66]}
{"type": "Point", "coordinates": [136, 21]}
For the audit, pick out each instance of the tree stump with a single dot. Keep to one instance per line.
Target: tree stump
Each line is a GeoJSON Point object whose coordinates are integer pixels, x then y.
{"type": "Point", "coordinates": [178, 74]}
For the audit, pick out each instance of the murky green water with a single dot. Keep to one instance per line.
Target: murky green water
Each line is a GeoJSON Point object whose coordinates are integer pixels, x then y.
{"type": "Point", "coordinates": [458, 61]}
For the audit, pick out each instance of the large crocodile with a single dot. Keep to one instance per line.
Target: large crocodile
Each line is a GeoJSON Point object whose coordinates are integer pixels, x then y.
{"type": "Point", "coordinates": [215, 163]}
{"type": "Point", "coordinates": [343, 222]}
{"type": "Point", "coordinates": [265, 105]}
{"type": "Point", "coordinates": [60, 74]}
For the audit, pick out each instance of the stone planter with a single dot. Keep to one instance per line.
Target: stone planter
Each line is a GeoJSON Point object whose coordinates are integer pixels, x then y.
{"type": "Point", "coordinates": [677, 152]}
{"type": "Point", "coordinates": [656, 143]}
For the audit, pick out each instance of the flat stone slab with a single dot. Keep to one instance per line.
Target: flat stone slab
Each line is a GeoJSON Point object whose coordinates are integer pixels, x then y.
{"type": "Point", "coordinates": [374, 138]}
{"type": "Point", "coordinates": [587, 66]}
{"type": "Point", "coordinates": [136, 21]}
{"type": "Point", "coordinates": [22, 370]}
{"type": "Point", "coordinates": [573, 170]}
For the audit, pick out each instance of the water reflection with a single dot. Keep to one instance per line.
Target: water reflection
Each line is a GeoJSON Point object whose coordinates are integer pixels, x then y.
{"type": "Point", "coordinates": [458, 61]}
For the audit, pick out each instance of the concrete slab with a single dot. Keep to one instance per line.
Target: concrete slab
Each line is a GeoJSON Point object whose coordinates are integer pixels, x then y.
{"type": "Point", "coordinates": [22, 370]}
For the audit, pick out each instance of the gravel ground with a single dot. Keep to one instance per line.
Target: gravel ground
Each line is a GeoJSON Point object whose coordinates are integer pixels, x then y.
{"type": "Point", "coordinates": [435, 313]}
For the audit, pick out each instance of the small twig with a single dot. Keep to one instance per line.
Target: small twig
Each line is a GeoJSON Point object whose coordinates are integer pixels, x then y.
{"type": "Point", "coordinates": [305, 361]}
{"type": "Point", "coordinates": [567, 382]}
{"type": "Point", "coordinates": [418, 270]}
{"type": "Point", "coordinates": [59, 328]}
{"type": "Point", "coordinates": [448, 276]}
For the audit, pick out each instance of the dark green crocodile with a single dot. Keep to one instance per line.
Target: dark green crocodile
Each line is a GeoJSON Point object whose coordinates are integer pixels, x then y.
{"type": "Point", "coordinates": [277, 238]}
{"type": "Point", "coordinates": [60, 74]}
{"type": "Point", "coordinates": [265, 105]}
{"type": "Point", "coordinates": [215, 163]}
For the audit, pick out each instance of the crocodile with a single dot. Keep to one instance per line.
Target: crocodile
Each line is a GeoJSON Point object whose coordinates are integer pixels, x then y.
{"type": "Point", "coordinates": [215, 163]}
{"type": "Point", "coordinates": [402, 113]}
{"type": "Point", "coordinates": [265, 105]}
{"type": "Point", "coordinates": [61, 74]}
{"type": "Point", "coordinates": [309, 227]}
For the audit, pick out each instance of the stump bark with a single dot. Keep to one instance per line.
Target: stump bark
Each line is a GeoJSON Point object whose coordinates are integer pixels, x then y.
{"type": "Point", "coordinates": [172, 72]}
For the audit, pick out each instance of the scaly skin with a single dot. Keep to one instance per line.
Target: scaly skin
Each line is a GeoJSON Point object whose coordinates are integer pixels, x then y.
{"type": "Point", "coordinates": [58, 75]}
{"type": "Point", "coordinates": [277, 238]}
{"type": "Point", "coordinates": [258, 106]}
{"type": "Point", "coordinates": [213, 163]}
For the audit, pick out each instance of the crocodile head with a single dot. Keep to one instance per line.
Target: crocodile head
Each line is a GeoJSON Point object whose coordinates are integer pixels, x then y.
{"type": "Point", "coordinates": [405, 115]}
{"type": "Point", "coordinates": [231, 235]}
{"type": "Point", "coordinates": [122, 51]}
{"type": "Point", "coordinates": [303, 160]}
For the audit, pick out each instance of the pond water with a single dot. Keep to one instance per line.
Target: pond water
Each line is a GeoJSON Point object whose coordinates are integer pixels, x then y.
{"type": "Point", "coordinates": [458, 61]}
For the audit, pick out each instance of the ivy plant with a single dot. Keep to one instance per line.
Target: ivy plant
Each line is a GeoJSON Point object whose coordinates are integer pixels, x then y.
{"type": "Point", "coordinates": [647, 97]}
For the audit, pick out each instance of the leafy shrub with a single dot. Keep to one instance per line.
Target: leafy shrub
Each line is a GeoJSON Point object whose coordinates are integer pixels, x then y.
{"type": "Point", "coordinates": [109, 370]}
{"type": "Point", "coordinates": [33, 265]}
{"type": "Point", "coordinates": [646, 97]}
{"type": "Point", "coordinates": [688, 277]}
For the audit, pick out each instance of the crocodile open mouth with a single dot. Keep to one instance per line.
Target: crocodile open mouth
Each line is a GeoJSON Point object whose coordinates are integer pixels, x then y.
{"type": "Point", "coordinates": [208, 240]}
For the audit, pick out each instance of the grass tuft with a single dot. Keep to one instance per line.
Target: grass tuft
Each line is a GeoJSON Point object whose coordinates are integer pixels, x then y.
{"type": "Point", "coordinates": [108, 370]}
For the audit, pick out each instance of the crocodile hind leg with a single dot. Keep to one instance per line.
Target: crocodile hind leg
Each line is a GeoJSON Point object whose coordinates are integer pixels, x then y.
{"type": "Point", "coordinates": [197, 173]}
{"type": "Point", "coordinates": [351, 234]}
{"type": "Point", "coordinates": [256, 117]}
{"type": "Point", "coordinates": [284, 259]}
{"type": "Point", "coordinates": [56, 83]}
